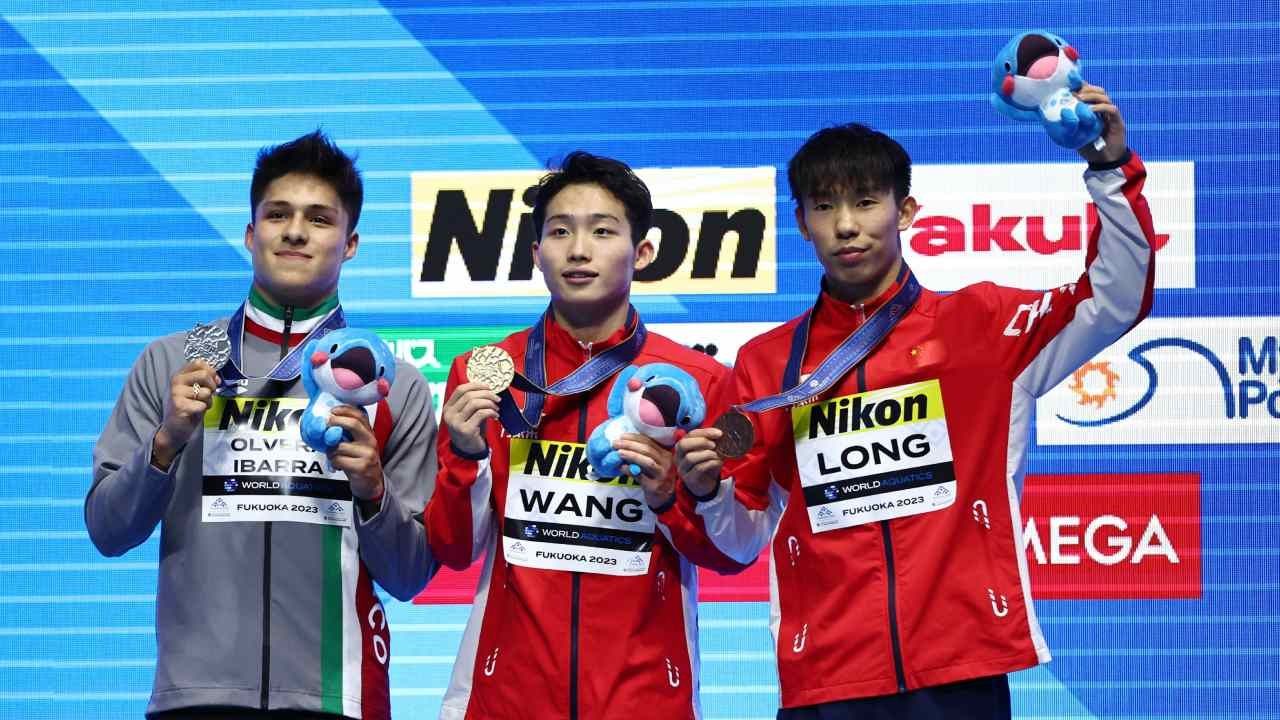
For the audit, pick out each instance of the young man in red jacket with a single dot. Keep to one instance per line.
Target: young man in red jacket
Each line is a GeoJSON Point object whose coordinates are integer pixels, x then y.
{"type": "Point", "coordinates": [891, 597]}
{"type": "Point", "coordinates": [586, 607]}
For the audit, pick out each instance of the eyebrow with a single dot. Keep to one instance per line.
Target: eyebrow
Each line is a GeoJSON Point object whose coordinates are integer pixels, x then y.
{"type": "Point", "coordinates": [314, 207]}
{"type": "Point", "coordinates": [593, 216]}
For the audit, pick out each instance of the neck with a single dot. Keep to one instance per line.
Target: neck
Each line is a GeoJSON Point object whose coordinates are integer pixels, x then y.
{"type": "Point", "coordinates": [858, 294]}
{"type": "Point", "coordinates": [303, 307]}
{"type": "Point", "coordinates": [589, 324]}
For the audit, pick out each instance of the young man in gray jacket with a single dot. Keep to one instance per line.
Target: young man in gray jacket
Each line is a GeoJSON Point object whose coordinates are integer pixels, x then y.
{"type": "Point", "coordinates": [268, 549]}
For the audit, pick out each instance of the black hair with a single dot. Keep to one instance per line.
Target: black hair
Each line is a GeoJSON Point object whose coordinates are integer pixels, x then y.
{"type": "Point", "coordinates": [583, 168]}
{"type": "Point", "coordinates": [312, 154]}
{"type": "Point", "coordinates": [849, 158]}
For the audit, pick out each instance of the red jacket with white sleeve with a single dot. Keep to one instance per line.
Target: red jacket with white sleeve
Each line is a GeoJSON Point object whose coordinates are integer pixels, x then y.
{"type": "Point", "coordinates": [890, 502]}
{"type": "Point", "coordinates": [546, 641]}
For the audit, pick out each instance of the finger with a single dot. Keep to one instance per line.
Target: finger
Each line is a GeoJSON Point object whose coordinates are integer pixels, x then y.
{"type": "Point", "coordinates": [356, 424]}
{"type": "Point", "coordinates": [694, 459]}
{"type": "Point", "coordinates": [468, 391]}
{"type": "Point", "coordinates": [648, 466]}
{"type": "Point", "coordinates": [693, 445]}
{"type": "Point", "coordinates": [476, 419]}
{"type": "Point", "coordinates": [711, 433]}
{"type": "Point", "coordinates": [709, 468]}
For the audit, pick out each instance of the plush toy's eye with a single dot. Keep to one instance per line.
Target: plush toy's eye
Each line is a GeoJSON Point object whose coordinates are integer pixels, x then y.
{"type": "Point", "coordinates": [1008, 66]}
{"type": "Point", "coordinates": [686, 420]}
{"type": "Point", "coordinates": [1057, 42]}
{"type": "Point", "coordinates": [650, 378]}
{"type": "Point", "coordinates": [333, 349]}
{"type": "Point", "coordinates": [381, 370]}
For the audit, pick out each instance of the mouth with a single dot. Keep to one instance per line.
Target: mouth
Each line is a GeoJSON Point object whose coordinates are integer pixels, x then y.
{"type": "Point", "coordinates": [1037, 57]}
{"type": "Point", "coordinates": [849, 255]}
{"type": "Point", "coordinates": [659, 406]}
{"type": "Point", "coordinates": [579, 277]}
{"type": "Point", "coordinates": [354, 368]}
{"type": "Point", "coordinates": [292, 255]}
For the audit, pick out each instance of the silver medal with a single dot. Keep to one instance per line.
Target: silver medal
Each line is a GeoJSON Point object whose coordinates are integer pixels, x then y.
{"type": "Point", "coordinates": [208, 343]}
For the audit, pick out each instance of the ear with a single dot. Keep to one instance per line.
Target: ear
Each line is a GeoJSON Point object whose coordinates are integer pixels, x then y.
{"type": "Point", "coordinates": [620, 389]}
{"type": "Point", "coordinates": [248, 237]}
{"type": "Point", "coordinates": [353, 242]}
{"type": "Point", "coordinates": [537, 261]}
{"type": "Point", "coordinates": [907, 213]}
{"type": "Point", "coordinates": [800, 223]}
{"type": "Point", "coordinates": [645, 253]}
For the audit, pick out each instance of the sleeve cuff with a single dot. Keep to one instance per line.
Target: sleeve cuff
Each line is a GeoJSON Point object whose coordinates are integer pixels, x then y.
{"type": "Point", "coordinates": [709, 496]}
{"type": "Point", "coordinates": [476, 456]}
{"type": "Point", "coordinates": [664, 507]}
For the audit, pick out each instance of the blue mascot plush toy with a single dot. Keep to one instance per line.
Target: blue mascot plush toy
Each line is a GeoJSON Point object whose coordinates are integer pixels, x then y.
{"type": "Point", "coordinates": [654, 400]}
{"type": "Point", "coordinates": [345, 367]}
{"type": "Point", "coordinates": [1032, 79]}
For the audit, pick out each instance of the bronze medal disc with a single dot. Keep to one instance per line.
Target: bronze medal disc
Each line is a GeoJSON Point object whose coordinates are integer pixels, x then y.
{"type": "Point", "coordinates": [492, 367]}
{"type": "Point", "coordinates": [738, 434]}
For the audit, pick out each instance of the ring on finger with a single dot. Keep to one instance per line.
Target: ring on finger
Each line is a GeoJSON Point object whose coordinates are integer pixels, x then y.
{"type": "Point", "coordinates": [195, 391]}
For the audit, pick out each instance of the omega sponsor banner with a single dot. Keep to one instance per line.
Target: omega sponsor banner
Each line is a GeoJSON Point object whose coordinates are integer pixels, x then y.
{"type": "Point", "coordinates": [715, 230]}
{"type": "Point", "coordinates": [1172, 381]}
{"type": "Point", "coordinates": [1121, 536]}
{"type": "Point", "coordinates": [1027, 225]}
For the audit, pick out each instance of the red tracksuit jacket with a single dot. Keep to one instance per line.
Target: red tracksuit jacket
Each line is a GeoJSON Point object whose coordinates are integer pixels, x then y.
{"type": "Point", "coordinates": [553, 643]}
{"type": "Point", "coordinates": [896, 564]}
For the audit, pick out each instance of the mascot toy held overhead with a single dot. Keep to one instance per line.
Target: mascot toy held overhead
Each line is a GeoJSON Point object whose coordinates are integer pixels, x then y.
{"type": "Point", "coordinates": [345, 367]}
{"type": "Point", "coordinates": [1033, 78]}
{"type": "Point", "coordinates": [656, 400]}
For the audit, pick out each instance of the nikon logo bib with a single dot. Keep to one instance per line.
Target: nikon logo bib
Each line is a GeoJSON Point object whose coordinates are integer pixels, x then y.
{"type": "Point", "coordinates": [558, 518]}
{"type": "Point", "coordinates": [257, 468]}
{"type": "Point", "coordinates": [875, 455]}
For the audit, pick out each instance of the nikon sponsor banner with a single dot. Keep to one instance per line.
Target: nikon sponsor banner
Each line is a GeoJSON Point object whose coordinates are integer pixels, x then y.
{"type": "Point", "coordinates": [1172, 381]}
{"type": "Point", "coordinates": [1027, 225]}
{"type": "Point", "coordinates": [876, 455]}
{"type": "Point", "coordinates": [714, 229]}
{"type": "Point", "coordinates": [256, 466]}
{"type": "Point", "coordinates": [559, 518]}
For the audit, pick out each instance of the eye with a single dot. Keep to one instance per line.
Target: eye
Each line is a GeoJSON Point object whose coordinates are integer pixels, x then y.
{"type": "Point", "coordinates": [333, 349]}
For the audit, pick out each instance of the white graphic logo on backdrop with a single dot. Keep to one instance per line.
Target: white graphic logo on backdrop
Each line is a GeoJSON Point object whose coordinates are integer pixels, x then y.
{"type": "Point", "coordinates": [1172, 381]}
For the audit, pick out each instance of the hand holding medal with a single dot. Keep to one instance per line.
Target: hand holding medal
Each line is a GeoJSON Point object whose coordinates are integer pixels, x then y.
{"type": "Point", "coordinates": [490, 370]}
{"type": "Point", "coordinates": [191, 392]}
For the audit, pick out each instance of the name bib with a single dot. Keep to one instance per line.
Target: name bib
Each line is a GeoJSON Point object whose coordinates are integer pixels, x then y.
{"type": "Point", "coordinates": [257, 468]}
{"type": "Point", "coordinates": [873, 456]}
{"type": "Point", "coordinates": [557, 518]}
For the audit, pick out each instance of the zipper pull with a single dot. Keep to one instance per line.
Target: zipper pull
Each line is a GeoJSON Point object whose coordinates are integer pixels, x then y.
{"type": "Point", "coordinates": [284, 336]}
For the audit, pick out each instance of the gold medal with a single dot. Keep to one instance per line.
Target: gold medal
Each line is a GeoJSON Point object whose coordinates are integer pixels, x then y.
{"type": "Point", "coordinates": [492, 367]}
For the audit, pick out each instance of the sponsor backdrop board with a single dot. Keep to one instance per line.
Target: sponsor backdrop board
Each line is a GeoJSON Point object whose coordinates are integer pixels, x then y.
{"type": "Point", "coordinates": [126, 141]}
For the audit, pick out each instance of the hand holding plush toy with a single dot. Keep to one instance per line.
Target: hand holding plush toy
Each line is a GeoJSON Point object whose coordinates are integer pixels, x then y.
{"type": "Point", "coordinates": [1033, 78]}
{"type": "Point", "coordinates": [345, 367]}
{"type": "Point", "coordinates": [656, 400]}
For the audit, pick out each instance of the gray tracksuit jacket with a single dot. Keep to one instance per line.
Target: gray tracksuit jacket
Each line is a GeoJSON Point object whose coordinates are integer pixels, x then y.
{"type": "Point", "coordinates": [265, 615]}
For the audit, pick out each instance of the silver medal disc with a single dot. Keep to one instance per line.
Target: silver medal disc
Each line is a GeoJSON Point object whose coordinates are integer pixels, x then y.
{"type": "Point", "coordinates": [208, 343]}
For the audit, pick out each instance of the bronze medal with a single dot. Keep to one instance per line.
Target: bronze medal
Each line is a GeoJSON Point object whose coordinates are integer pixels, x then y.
{"type": "Point", "coordinates": [738, 434]}
{"type": "Point", "coordinates": [492, 367]}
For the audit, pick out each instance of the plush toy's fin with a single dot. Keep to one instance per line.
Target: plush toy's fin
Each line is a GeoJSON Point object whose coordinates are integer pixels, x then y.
{"type": "Point", "coordinates": [999, 103]}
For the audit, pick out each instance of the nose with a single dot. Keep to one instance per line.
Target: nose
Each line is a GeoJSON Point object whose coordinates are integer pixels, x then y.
{"type": "Point", "coordinates": [580, 247]}
{"type": "Point", "coordinates": [295, 232]}
{"type": "Point", "coordinates": [846, 221]}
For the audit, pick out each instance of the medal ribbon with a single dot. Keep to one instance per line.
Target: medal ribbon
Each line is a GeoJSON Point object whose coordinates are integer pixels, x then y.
{"type": "Point", "coordinates": [846, 356]}
{"type": "Point", "coordinates": [290, 366]}
{"type": "Point", "coordinates": [585, 377]}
